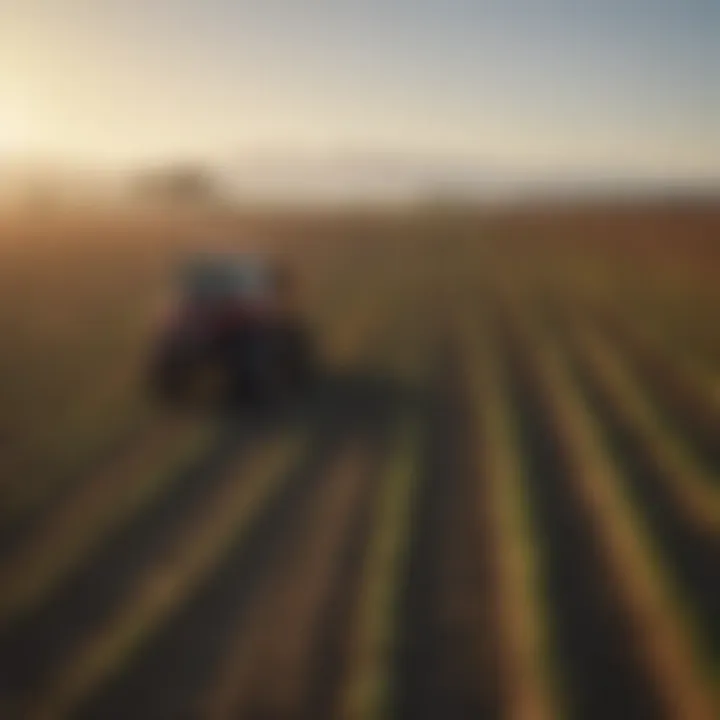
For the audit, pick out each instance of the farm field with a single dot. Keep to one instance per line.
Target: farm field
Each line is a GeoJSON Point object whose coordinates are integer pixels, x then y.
{"type": "Point", "coordinates": [502, 501]}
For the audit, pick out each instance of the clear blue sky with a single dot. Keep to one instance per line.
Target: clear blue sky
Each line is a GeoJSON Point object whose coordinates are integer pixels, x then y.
{"type": "Point", "coordinates": [629, 84]}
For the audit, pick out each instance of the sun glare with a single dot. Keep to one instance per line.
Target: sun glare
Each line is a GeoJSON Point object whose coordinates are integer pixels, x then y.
{"type": "Point", "coordinates": [12, 133]}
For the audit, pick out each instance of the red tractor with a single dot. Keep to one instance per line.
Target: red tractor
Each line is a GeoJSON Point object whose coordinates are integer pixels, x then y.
{"type": "Point", "coordinates": [234, 318]}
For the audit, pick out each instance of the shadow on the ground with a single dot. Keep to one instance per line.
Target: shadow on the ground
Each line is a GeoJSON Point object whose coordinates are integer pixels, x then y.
{"type": "Point", "coordinates": [356, 396]}
{"type": "Point", "coordinates": [353, 402]}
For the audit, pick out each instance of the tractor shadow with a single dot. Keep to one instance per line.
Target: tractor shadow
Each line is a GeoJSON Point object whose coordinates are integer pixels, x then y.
{"type": "Point", "coordinates": [356, 399]}
{"type": "Point", "coordinates": [348, 404]}
{"type": "Point", "coordinates": [344, 405]}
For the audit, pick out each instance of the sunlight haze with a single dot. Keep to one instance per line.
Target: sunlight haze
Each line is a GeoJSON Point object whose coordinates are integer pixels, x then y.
{"type": "Point", "coordinates": [627, 85]}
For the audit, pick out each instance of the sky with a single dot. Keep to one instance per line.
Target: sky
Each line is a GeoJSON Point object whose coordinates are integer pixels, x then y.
{"type": "Point", "coordinates": [611, 86]}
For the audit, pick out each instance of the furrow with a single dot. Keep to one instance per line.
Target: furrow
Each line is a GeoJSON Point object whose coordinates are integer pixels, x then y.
{"type": "Point", "coordinates": [166, 586]}
{"type": "Point", "coordinates": [662, 640]}
{"type": "Point", "coordinates": [695, 489]}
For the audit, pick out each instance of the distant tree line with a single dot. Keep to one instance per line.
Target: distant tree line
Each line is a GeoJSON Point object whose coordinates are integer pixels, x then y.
{"type": "Point", "coordinates": [181, 183]}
